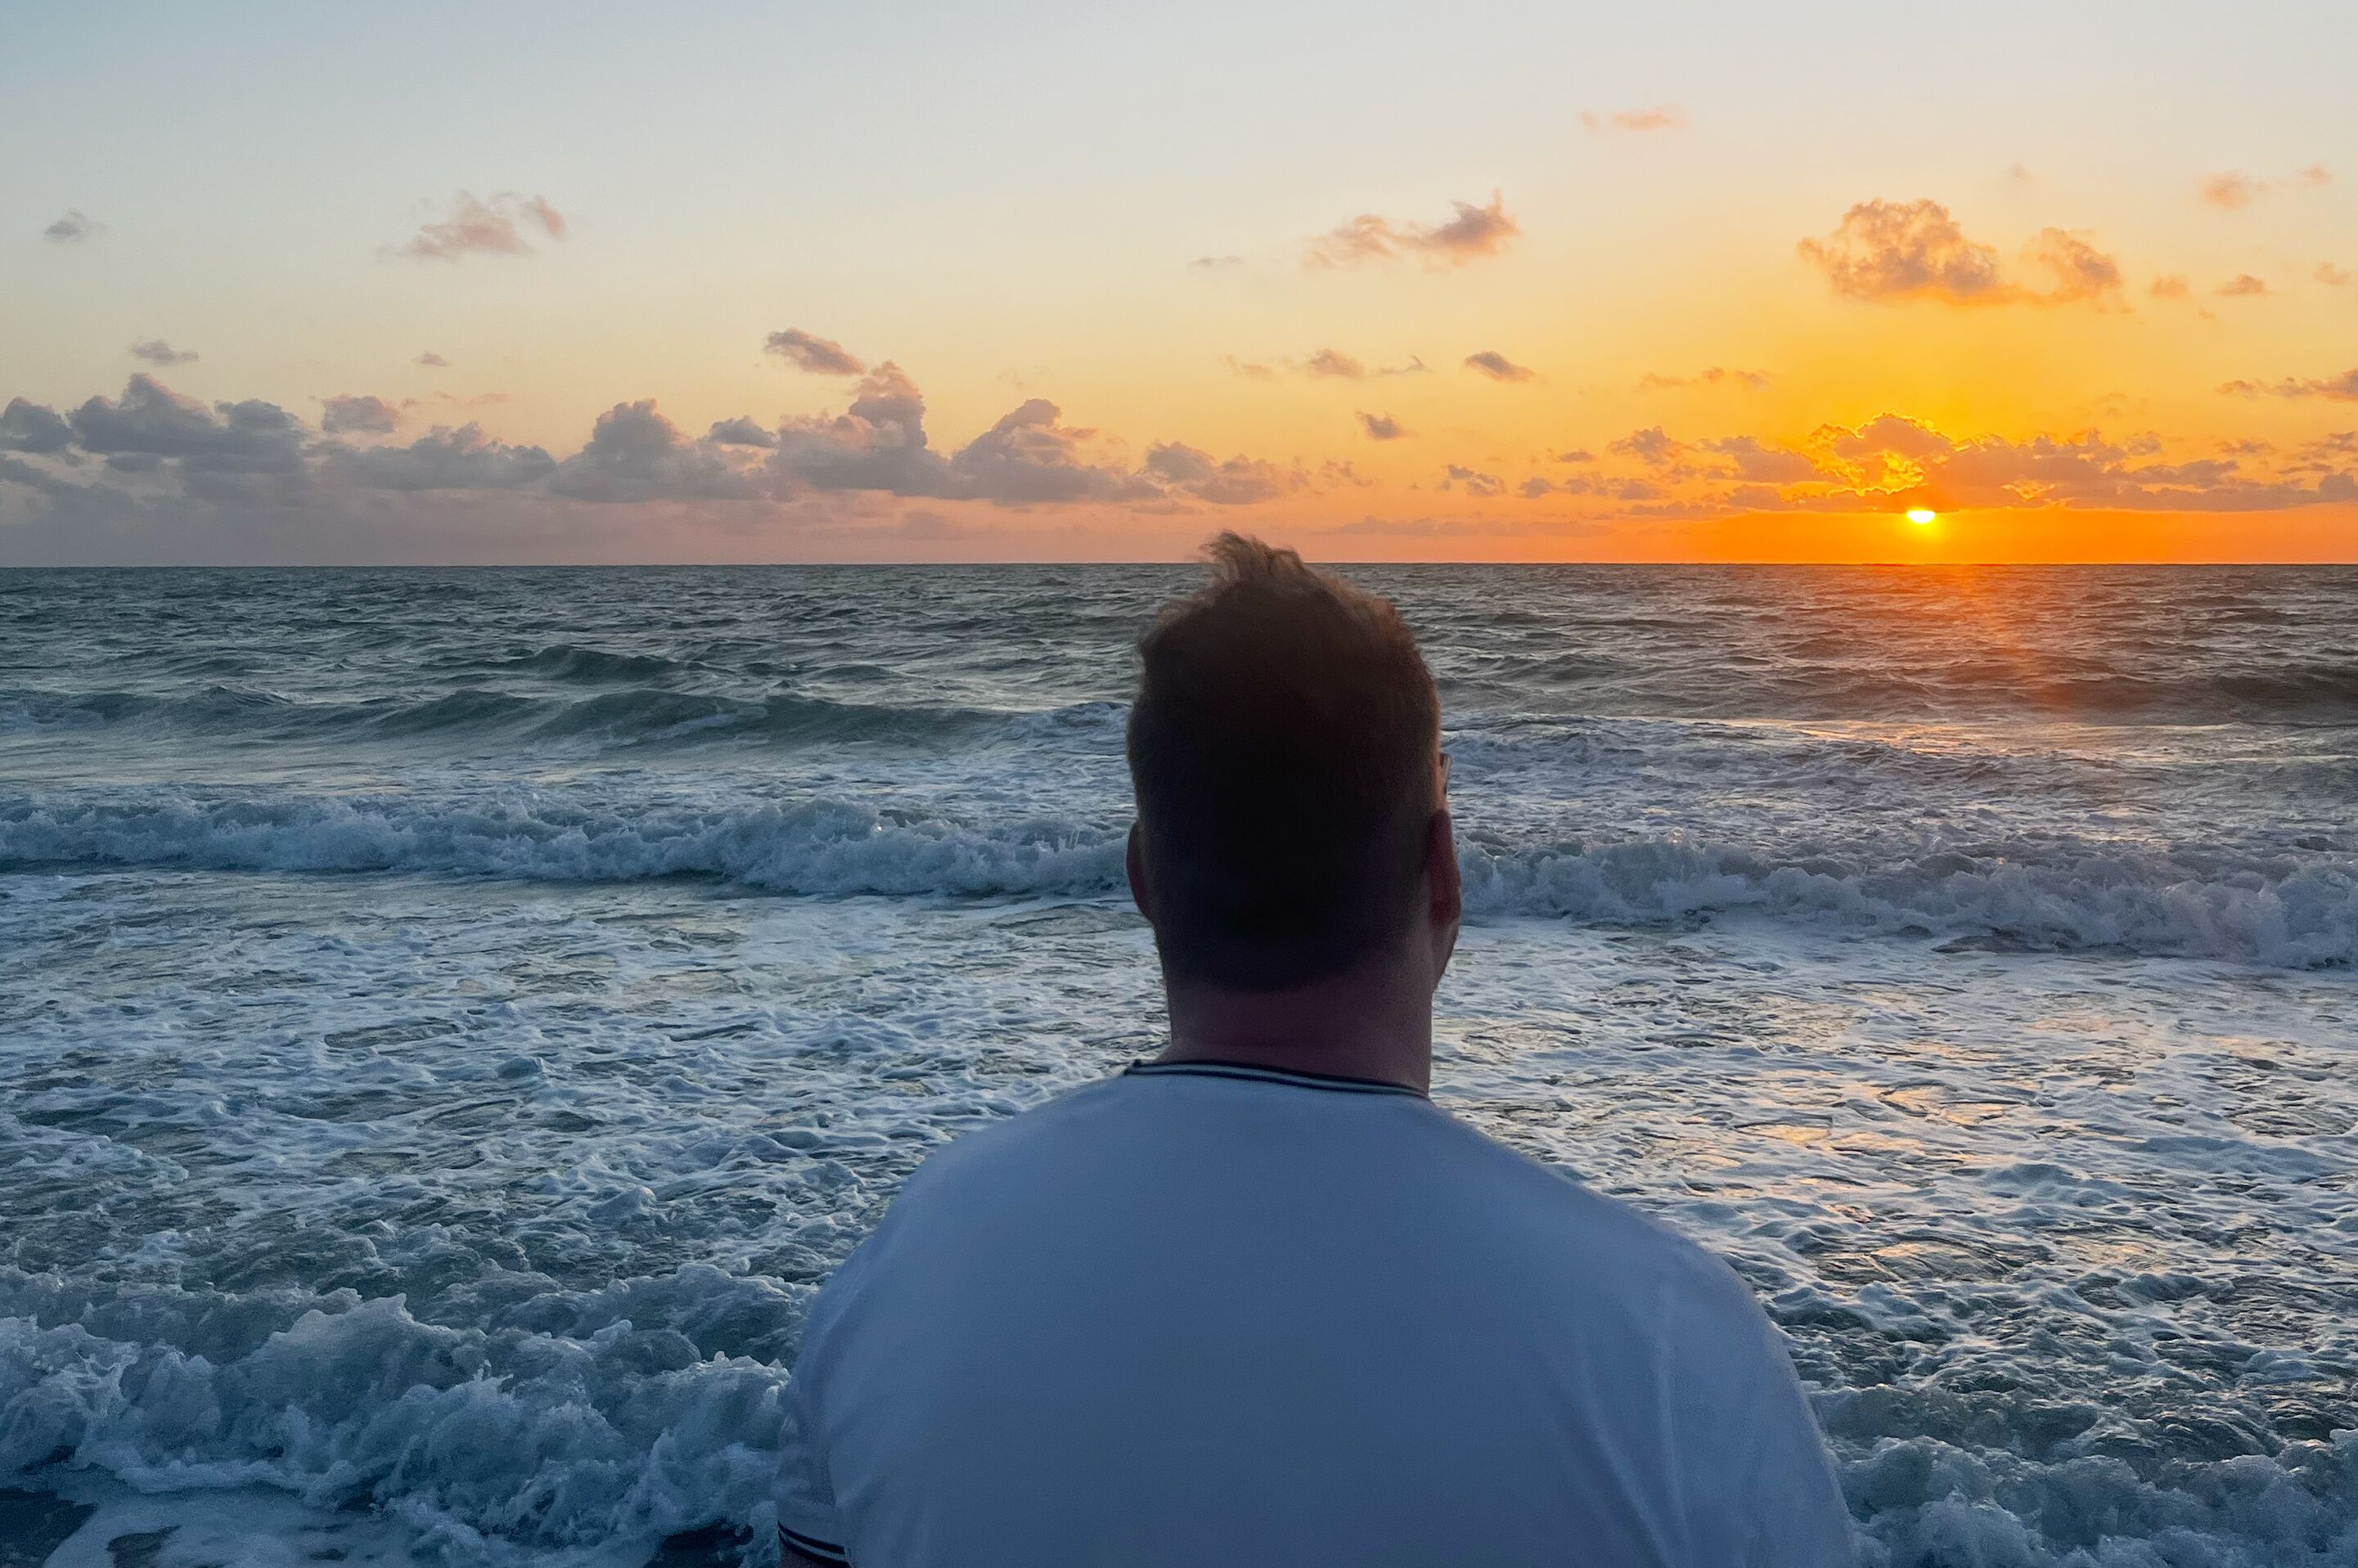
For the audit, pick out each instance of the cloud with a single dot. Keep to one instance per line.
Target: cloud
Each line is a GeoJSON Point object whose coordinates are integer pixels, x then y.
{"type": "Point", "coordinates": [157, 351]}
{"type": "Point", "coordinates": [2234, 192]}
{"type": "Point", "coordinates": [433, 361]}
{"type": "Point", "coordinates": [2316, 174]}
{"type": "Point", "coordinates": [2333, 276]}
{"type": "Point", "coordinates": [635, 454]}
{"type": "Point", "coordinates": [442, 459]}
{"type": "Point", "coordinates": [1473, 481]}
{"type": "Point", "coordinates": [1651, 446]}
{"type": "Point", "coordinates": [1473, 233]}
{"type": "Point", "coordinates": [2242, 285]}
{"type": "Point", "coordinates": [32, 427]}
{"type": "Point", "coordinates": [1533, 488]}
{"type": "Point", "coordinates": [362, 416]}
{"type": "Point", "coordinates": [2174, 287]}
{"type": "Point", "coordinates": [1238, 481]}
{"type": "Point", "coordinates": [1215, 264]}
{"type": "Point", "coordinates": [1713, 375]}
{"type": "Point", "coordinates": [1575, 454]}
{"type": "Point", "coordinates": [819, 356]}
{"type": "Point", "coordinates": [739, 432]}
{"type": "Point", "coordinates": [2343, 388]}
{"type": "Point", "coordinates": [1250, 371]}
{"type": "Point", "coordinates": [1029, 457]}
{"type": "Point", "coordinates": [493, 228]}
{"type": "Point", "coordinates": [1381, 426]}
{"type": "Point", "coordinates": [1888, 251]}
{"type": "Point", "coordinates": [1498, 367]}
{"type": "Point", "coordinates": [1661, 117]}
{"type": "Point", "coordinates": [151, 422]}
{"type": "Point", "coordinates": [1328, 362]}
{"type": "Point", "coordinates": [73, 228]}
{"type": "Point", "coordinates": [2020, 174]}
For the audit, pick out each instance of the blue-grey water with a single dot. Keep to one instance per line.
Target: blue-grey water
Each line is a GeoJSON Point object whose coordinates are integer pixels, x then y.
{"type": "Point", "coordinates": [451, 1022]}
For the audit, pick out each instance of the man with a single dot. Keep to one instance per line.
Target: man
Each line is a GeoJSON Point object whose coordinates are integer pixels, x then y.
{"type": "Point", "coordinates": [1258, 1301]}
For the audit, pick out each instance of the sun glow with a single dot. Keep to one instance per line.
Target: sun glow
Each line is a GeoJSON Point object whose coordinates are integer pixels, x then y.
{"type": "Point", "coordinates": [1921, 516]}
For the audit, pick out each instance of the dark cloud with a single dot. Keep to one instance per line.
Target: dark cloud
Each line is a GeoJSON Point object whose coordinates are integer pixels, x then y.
{"type": "Point", "coordinates": [1473, 233]}
{"type": "Point", "coordinates": [150, 421]}
{"type": "Point", "coordinates": [739, 432]}
{"type": "Point", "coordinates": [73, 228]}
{"type": "Point", "coordinates": [1333, 363]}
{"type": "Point", "coordinates": [1381, 426]}
{"type": "Point", "coordinates": [2343, 388]}
{"type": "Point", "coordinates": [1651, 446]}
{"type": "Point", "coordinates": [1498, 366]}
{"type": "Point", "coordinates": [433, 361]}
{"type": "Point", "coordinates": [1238, 481]}
{"type": "Point", "coordinates": [157, 351]}
{"type": "Point", "coordinates": [496, 227]}
{"type": "Point", "coordinates": [357, 416]}
{"type": "Point", "coordinates": [1029, 457]}
{"type": "Point", "coordinates": [443, 458]}
{"type": "Point", "coordinates": [1661, 117]}
{"type": "Point", "coordinates": [1534, 488]}
{"type": "Point", "coordinates": [32, 427]}
{"type": "Point", "coordinates": [1473, 481]}
{"type": "Point", "coordinates": [635, 454]}
{"type": "Point", "coordinates": [821, 356]}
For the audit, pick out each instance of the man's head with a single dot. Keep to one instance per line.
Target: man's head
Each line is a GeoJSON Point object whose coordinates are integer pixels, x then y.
{"type": "Point", "coordinates": [1285, 748]}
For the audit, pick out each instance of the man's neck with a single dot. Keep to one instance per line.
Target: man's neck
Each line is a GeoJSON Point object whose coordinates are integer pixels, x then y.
{"type": "Point", "coordinates": [1361, 1025]}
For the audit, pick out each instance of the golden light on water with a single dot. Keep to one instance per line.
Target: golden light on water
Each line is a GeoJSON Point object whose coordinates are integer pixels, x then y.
{"type": "Point", "coordinates": [1919, 515]}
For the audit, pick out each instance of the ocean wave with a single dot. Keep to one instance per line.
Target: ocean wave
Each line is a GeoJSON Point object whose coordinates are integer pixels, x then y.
{"type": "Point", "coordinates": [2288, 910]}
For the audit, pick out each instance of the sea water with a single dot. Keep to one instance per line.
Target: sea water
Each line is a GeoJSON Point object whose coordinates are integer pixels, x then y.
{"type": "Point", "coordinates": [451, 1023]}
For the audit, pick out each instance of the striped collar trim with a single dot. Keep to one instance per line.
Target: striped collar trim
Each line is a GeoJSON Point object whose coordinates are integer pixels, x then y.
{"type": "Point", "coordinates": [1253, 1071]}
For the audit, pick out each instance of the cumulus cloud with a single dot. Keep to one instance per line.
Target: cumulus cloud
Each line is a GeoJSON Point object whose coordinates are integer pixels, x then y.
{"type": "Point", "coordinates": [150, 423]}
{"type": "Point", "coordinates": [1473, 233]}
{"type": "Point", "coordinates": [739, 432]}
{"type": "Point", "coordinates": [1381, 426]}
{"type": "Point", "coordinates": [433, 361]}
{"type": "Point", "coordinates": [73, 228]}
{"type": "Point", "coordinates": [2343, 388]}
{"type": "Point", "coordinates": [635, 454]}
{"type": "Point", "coordinates": [32, 427]}
{"type": "Point", "coordinates": [1661, 117]}
{"type": "Point", "coordinates": [1891, 252]}
{"type": "Point", "coordinates": [2242, 285]}
{"type": "Point", "coordinates": [442, 459]}
{"type": "Point", "coordinates": [1498, 366]}
{"type": "Point", "coordinates": [1238, 481]}
{"type": "Point", "coordinates": [497, 227]}
{"type": "Point", "coordinates": [1330, 363]}
{"type": "Point", "coordinates": [1473, 481]}
{"type": "Point", "coordinates": [157, 351]}
{"type": "Point", "coordinates": [1712, 375]}
{"type": "Point", "coordinates": [2174, 287]}
{"type": "Point", "coordinates": [819, 356]}
{"type": "Point", "coordinates": [357, 416]}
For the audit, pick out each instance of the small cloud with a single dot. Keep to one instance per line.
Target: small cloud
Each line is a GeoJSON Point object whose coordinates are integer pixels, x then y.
{"type": "Point", "coordinates": [73, 228]}
{"type": "Point", "coordinates": [157, 351]}
{"type": "Point", "coordinates": [1888, 251]}
{"type": "Point", "coordinates": [2343, 388]}
{"type": "Point", "coordinates": [1473, 481]}
{"type": "Point", "coordinates": [2020, 175]}
{"type": "Point", "coordinates": [433, 361]}
{"type": "Point", "coordinates": [1381, 426]}
{"type": "Point", "coordinates": [358, 415]}
{"type": "Point", "coordinates": [1215, 264]}
{"type": "Point", "coordinates": [1533, 488]}
{"type": "Point", "coordinates": [739, 432]}
{"type": "Point", "coordinates": [1332, 365]}
{"type": "Point", "coordinates": [2316, 174]}
{"type": "Point", "coordinates": [1250, 371]}
{"type": "Point", "coordinates": [2081, 271]}
{"type": "Point", "coordinates": [1713, 375]}
{"type": "Point", "coordinates": [2333, 276]}
{"type": "Point", "coordinates": [1651, 446]}
{"type": "Point", "coordinates": [2242, 285]}
{"type": "Point", "coordinates": [1575, 454]}
{"type": "Point", "coordinates": [1498, 367]}
{"type": "Point", "coordinates": [493, 228]}
{"type": "Point", "coordinates": [1661, 117]}
{"type": "Point", "coordinates": [2231, 193]}
{"type": "Point", "coordinates": [821, 356]}
{"type": "Point", "coordinates": [2174, 287]}
{"type": "Point", "coordinates": [1473, 233]}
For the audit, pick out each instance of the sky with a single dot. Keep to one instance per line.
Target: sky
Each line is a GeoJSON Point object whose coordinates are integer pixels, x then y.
{"type": "Point", "coordinates": [286, 284]}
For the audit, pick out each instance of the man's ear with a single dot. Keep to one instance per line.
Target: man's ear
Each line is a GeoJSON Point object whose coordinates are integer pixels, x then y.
{"type": "Point", "coordinates": [1134, 862]}
{"type": "Point", "coordinates": [1445, 889]}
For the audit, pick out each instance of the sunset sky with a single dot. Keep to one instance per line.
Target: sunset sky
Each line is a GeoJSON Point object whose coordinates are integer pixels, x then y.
{"type": "Point", "coordinates": [432, 282]}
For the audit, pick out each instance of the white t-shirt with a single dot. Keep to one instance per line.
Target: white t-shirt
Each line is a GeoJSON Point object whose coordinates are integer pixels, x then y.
{"type": "Point", "coordinates": [1208, 1314]}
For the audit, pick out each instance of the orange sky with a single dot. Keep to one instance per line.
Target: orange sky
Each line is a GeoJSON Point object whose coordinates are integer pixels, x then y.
{"type": "Point", "coordinates": [1509, 283]}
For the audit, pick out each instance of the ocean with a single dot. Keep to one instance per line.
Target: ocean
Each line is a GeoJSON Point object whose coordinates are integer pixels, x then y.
{"type": "Point", "coordinates": [451, 1022]}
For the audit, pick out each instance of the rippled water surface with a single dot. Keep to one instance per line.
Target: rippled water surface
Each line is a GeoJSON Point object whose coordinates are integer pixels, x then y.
{"type": "Point", "coordinates": [449, 1023]}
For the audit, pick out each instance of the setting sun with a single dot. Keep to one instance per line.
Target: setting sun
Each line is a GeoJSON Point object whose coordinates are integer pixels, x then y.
{"type": "Point", "coordinates": [1921, 516]}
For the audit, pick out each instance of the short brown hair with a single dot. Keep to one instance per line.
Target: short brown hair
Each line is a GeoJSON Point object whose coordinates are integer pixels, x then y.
{"type": "Point", "coordinates": [1281, 747]}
